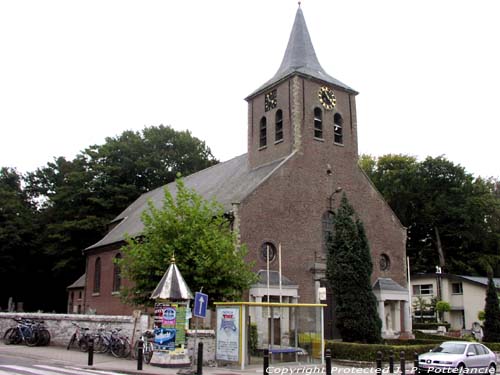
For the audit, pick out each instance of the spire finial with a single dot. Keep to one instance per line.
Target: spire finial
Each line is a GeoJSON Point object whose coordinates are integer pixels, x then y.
{"type": "Point", "coordinates": [172, 260]}
{"type": "Point", "coordinates": [299, 4]}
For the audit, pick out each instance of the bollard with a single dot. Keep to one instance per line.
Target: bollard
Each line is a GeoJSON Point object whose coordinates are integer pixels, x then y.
{"type": "Point", "coordinates": [379, 362]}
{"type": "Point", "coordinates": [266, 361]}
{"type": "Point", "coordinates": [140, 353]}
{"type": "Point", "coordinates": [91, 351]}
{"type": "Point", "coordinates": [328, 362]}
{"type": "Point", "coordinates": [402, 362]}
{"type": "Point", "coordinates": [415, 362]}
{"type": "Point", "coordinates": [199, 364]}
{"type": "Point", "coordinates": [391, 362]}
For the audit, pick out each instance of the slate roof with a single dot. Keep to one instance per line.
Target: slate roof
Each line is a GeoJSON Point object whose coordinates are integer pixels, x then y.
{"type": "Point", "coordinates": [473, 279]}
{"type": "Point", "coordinates": [79, 283]}
{"type": "Point", "coordinates": [300, 58]}
{"type": "Point", "coordinates": [387, 284]}
{"type": "Point", "coordinates": [228, 182]}
{"type": "Point", "coordinates": [172, 285]}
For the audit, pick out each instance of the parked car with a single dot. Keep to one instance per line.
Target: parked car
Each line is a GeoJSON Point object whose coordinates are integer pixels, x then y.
{"type": "Point", "coordinates": [458, 357]}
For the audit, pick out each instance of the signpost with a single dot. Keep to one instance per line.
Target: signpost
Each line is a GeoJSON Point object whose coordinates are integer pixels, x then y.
{"type": "Point", "coordinates": [200, 311]}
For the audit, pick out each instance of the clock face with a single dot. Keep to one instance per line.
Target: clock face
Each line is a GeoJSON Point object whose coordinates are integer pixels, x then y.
{"type": "Point", "coordinates": [270, 100]}
{"type": "Point", "coordinates": [327, 97]}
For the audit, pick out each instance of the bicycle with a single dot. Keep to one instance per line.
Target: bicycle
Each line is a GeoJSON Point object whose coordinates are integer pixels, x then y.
{"type": "Point", "coordinates": [147, 350]}
{"type": "Point", "coordinates": [82, 339]}
{"type": "Point", "coordinates": [119, 345]}
{"type": "Point", "coordinates": [22, 332]}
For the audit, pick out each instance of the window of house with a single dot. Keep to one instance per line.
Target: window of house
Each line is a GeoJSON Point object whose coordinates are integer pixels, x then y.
{"type": "Point", "coordinates": [338, 123]}
{"type": "Point", "coordinates": [456, 288]}
{"type": "Point", "coordinates": [385, 262]}
{"type": "Point", "coordinates": [263, 132]}
{"type": "Point", "coordinates": [318, 123]}
{"type": "Point", "coordinates": [423, 290]}
{"type": "Point", "coordinates": [97, 276]}
{"type": "Point", "coordinates": [278, 136]}
{"type": "Point", "coordinates": [117, 278]}
{"type": "Point", "coordinates": [268, 251]}
{"type": "Point", "coordinates": [327, 225]}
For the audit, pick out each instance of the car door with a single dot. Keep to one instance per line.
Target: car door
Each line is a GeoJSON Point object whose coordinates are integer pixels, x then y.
{"type": "Point", "coordinates": [483, 358]}
{"type": "Point", "coordinates": [472, 359]}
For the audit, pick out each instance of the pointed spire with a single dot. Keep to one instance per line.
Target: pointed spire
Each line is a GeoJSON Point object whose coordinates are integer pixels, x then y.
{"type": "Point", "coordinates": [300, 57]}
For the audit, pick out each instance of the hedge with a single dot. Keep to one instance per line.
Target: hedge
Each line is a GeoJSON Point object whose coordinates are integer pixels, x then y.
{"type": "Point", "coordinates": [368, 352]}
{"type": "Point", "coordinates": [429, 336]}
{"type": "Point", "coordinates": [432, 325]}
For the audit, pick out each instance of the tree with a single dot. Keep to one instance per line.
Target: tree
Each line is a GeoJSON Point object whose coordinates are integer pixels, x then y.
{"type": "Point", "coordinates": [349, 269]}
{"type": "Point", "coordinates": [491, 313]}
{"type": "Point", "coordinates": [198, 232]}
{"type": "Point", "coordinates": [441, 308]}
{"type": "Point", "coordinates": [453, 219]}
{"type": "Point", "coordinates": [77, 198]}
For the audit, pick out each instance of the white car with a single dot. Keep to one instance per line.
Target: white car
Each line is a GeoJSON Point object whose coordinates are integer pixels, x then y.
{"type": "Point", "coordinates": [458, 357]}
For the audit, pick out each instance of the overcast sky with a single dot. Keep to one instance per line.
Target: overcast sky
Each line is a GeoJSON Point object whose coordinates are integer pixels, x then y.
{"type": "Point", "coordinates": [75, 72]}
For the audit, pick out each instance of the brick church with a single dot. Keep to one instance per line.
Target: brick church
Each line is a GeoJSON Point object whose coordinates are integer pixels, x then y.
{"type": "Point", "coordinates": [302, 155]}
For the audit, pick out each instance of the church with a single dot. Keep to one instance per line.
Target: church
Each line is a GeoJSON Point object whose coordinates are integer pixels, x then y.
{"type": "Point", "coordinates": [302, 156]}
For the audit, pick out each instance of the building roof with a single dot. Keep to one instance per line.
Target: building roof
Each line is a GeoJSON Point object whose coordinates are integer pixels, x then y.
{"type": "Point", "coordinates": [172, 285]}
{"type": "Point", "coordinates": [229, 182]}
{"type": "Point", "coordinates": [300, 58]}
{"type": "Point", "coordinates": [79, 283]}
{"type": "Point", "coordinates": [387, 284]}
{"type": "Point", "coordinates": [274, 278]}
{"type": "Point", "coordinates": [473, 279]}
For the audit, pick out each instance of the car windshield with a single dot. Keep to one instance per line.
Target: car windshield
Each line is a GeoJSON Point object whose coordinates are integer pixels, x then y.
{"type": "Point", "coordinates": [448, 347]}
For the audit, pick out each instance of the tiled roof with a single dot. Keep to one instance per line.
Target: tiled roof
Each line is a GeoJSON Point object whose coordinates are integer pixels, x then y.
{"type": "Point", "coordinates": [79, 283]}
{"type": "Point", "coordinates": [387, 284]}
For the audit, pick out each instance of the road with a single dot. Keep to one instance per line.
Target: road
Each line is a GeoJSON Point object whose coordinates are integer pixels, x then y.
{"type": "Point", "coordinates": [15, 365]}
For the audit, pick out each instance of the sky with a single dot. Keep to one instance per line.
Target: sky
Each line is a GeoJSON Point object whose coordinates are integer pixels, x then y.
{"type": "Point", "coordinates": [75, 72]}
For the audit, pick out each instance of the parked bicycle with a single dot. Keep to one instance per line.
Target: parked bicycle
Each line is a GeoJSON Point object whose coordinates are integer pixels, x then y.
{"type": "Point", "coordinates": [147, 350]}
{"type": "Point", "coordinates": [80, 337]}
{"type": "Point", "coordinates": [27, 331]}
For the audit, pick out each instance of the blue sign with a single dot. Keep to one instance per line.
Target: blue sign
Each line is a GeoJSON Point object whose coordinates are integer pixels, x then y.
{"type": "Point", "coordinates": [200, 305]}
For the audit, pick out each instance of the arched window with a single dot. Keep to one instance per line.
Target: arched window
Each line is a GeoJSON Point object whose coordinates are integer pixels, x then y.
{"type": "Point", "coordinates": [338, 123]}
{"type": "Point", "coordinates": [263, 132]}
{"type": "Point", "coordinates": [278, 126]}
{"type": "Point", "coordinates": [97, 276]}
{"type": "Point", "coordinates": [117, 277]}
{"type": "Point", "coordinates": [327, 225]}
{"type": "Point", "coordinates": [318, 123]}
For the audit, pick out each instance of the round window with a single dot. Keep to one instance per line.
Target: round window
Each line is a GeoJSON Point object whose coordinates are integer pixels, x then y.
{"type": "Point", "coordinates": [268, 251]}
{"type": "Point", "coordinates": [385, 262]}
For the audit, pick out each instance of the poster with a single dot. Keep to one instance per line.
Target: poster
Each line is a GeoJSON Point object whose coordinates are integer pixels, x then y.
{"type": "Point", "coordinates": [228, 334]}
{"type": "Point", "coordinates": [170, 325]}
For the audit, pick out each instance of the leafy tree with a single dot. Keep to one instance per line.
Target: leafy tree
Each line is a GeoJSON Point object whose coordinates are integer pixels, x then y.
{"type": "Point", "coordinates": [77, 198]}
{"type": "Point", "coordinates": [442, 307]}
{"type": "Point", "coordinates": [17, 237]}
{"type": "Point", "coordinates": [491, 325]}
{"type": "Point", "coordinates": [349, 269]}
{"type": "Point", "coordinates": [453, 219]}
{"type": "Point", "coordinates": [199, 234]}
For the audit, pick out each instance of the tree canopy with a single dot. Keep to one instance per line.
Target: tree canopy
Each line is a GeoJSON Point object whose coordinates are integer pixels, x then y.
{"type": "Point", "coordinates": [453, 219]}
{"type": "Point", "coordinates": [199, 234]}
{"type": "Point", "coordinates": [491, 313]}
{"type": "Point", "coordinates": [70, 202]}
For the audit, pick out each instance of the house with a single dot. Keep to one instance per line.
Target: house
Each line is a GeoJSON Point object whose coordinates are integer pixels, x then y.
{"type": "Point", "coordinates": [302, 153]}
{"type": "Point", "coordinates": [76, 293]}
{"type": "Point", "coordinates": [465, 294]}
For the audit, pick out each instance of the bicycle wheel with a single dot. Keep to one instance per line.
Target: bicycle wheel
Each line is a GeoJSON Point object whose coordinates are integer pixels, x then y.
{"type": "Point", "coordinates": [44, 337]}
{"type": "Point", "coordinates": [31, 337]}
{"type": "Point", "coordinates": [83, 343]}
{"type": "Point", "coordinates": [71, 341]}
{"type": "Point", "coordinates": [101, 344]}
{"type": "Point", "coordinates": [120, 348]}
{"type": "Point", "coordinates": [12, 336]}
{"type": "Point", "coordinates": [148, 351]}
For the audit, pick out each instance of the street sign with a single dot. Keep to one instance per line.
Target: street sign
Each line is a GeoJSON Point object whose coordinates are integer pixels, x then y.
{"type": "Point", "coordinates": [200, 305]}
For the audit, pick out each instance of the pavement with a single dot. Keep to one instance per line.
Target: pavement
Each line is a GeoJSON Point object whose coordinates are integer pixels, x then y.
{"type": "Point", "coordinates": [106, 362]}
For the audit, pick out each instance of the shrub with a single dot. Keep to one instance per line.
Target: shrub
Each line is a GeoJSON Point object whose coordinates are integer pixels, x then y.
{"type": "Point", "coordinates": [368, 352]}
{"type": "Point", "coordinates": [432, 325]}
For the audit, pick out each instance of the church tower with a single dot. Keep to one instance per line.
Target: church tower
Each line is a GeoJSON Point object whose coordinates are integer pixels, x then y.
{"type": "Point", "coordinates": [302, 108]}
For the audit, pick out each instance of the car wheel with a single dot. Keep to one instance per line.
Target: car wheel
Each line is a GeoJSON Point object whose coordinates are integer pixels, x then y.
{"type": "Point", "coordinates": [492, 369]}
{"type": "Point", "coordinates": [461, 368]}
